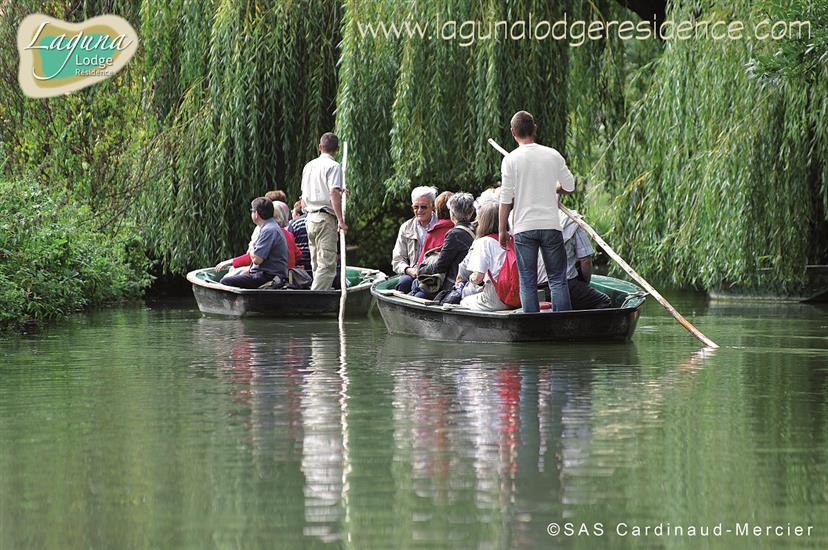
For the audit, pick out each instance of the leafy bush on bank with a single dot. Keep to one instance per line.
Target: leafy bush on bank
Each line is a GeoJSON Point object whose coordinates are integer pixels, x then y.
{"type": "Point", "coordinates": [54, 260]}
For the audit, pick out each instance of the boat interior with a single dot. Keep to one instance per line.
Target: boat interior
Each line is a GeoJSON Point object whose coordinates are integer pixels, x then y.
{"type": "Point", "coordinates": [622, 294]}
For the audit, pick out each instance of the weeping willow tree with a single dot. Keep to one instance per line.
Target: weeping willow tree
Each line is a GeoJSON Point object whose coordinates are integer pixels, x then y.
{"type": "Point", "coordinates": [724, 158]}
{"type": "Point", "coordinates": [240, 92]}
{"type": "Point", "coordinates": [714, 152]}
{"type": "Point", "coordinates": [418, 111]}
{"type": "Point", "coordinates": [430, 104]}
{"type": "Point", "coordinates": [596, 90]}
{"type": "Point", "coordinates": [605, 77]}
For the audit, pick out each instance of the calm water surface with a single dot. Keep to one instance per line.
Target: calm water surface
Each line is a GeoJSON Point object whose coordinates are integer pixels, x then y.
{"type": "Point", "coordinates": [157, 427]}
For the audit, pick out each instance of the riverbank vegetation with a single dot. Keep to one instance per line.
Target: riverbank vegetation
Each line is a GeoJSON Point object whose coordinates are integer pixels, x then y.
{"type": "Point", "coordinates": [702, 161]}
{"type": "Point", "coordinates": [54, 260]}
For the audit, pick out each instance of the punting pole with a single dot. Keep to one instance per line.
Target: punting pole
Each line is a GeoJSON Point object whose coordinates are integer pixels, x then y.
{"type": "Point", "coordinates": [343, 278]}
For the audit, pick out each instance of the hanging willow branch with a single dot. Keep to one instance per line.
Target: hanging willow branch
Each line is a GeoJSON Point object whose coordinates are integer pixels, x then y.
{"type": "Point", "coordinates": [246, 113]}
{"type": "Point", "coordinates": [721, 168]}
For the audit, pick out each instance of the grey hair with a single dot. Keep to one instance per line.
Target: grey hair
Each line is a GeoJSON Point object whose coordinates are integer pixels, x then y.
{"type": "Point", "coordinates": [492, 194]}
{"type": "Point", "coordinates": [424, 191]}
{"type": "Point", "coordinates": [461, 206]}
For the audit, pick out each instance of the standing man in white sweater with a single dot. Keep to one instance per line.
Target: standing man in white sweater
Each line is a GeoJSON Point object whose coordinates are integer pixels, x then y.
{"type": "Point", "coordinates": [532, 176]}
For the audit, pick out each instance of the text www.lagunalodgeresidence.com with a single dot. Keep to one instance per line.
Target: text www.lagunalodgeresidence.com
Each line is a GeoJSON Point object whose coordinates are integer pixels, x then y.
{"type": "Point", "coordinates": [578, 32]}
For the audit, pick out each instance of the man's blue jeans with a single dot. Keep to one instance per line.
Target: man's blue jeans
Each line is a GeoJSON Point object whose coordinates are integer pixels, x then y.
{"type": "Point", "coordinates": [551, 246]}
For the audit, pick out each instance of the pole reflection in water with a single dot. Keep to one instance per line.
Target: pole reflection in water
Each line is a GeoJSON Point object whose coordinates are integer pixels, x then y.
{"type": "Point", "coordinates": [343, 422]}
{"type": "Point", "coordinates": [323, 444]}
{"type": "Point", "coordinates": [293, 391]}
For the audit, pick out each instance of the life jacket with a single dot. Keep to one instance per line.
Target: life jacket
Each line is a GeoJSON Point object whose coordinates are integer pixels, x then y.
{"type": "Point", "coordinates": [507, 284]}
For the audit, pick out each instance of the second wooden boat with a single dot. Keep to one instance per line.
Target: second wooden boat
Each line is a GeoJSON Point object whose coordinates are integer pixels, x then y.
{"type": "Point", "coordinates": [216, 298]}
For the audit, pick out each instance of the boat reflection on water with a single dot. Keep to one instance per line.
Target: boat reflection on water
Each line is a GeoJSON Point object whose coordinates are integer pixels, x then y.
{"type": "Point", "coordinates": [436, 440]}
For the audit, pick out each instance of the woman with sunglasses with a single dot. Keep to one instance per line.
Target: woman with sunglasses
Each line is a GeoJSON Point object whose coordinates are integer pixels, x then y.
{"type": "Point", "coordinates": [411, 236]}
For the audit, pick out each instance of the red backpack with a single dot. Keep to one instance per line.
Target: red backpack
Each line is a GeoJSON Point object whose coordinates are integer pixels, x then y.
{"type": "Point", "coordinates": [507, 284]}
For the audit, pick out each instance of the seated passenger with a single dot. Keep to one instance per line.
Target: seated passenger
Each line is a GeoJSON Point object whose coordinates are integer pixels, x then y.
{"type": "Point", "coordinates": [492, 194]}
{"type": "Point", "coordinates": [436, 235]}
{"type": "Point", "coordinates": [411, 236]}
{"type": "Point", "coordinates": [276, 195]}
{"type": "Point", "coordinates": [300, 234]}
{"type": "Point", "coordinates": [294, 252]}
{"type": "Point", "coordinates": [280, 214]}
{"type": "Point", "coordinates": [483, 263]}
{"type": "Point", "coordinates": [579, 267]}
{"type": "Point", "coordinates": [442, 271]}
{"type": "Point", "coordinates": [297, 210]}
{"type": "Point", "coordinates": [269, 255]}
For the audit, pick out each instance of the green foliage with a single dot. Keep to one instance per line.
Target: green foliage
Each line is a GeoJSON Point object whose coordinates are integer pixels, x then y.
{"type": "Point", "coordinates": [703, 161]}
{"type": "Point", "coordinates": [54, 261]}
{"type": "Point", "coordinates": [233, 123]}
{"type": "Point", "coordinates": [724, 170]}
{"type": "Point", "coordinates": [439, 101]}
{"type": "Point", "coordinates": [605, 78]}
{"type": "Point", "coordinates": [418, 112]}
{"type": "Point", "coordinates": [71, 142]}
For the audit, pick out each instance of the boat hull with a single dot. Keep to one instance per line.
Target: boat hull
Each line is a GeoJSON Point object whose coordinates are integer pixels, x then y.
{"type": "Point", "coordinates": [218, 299]}
{"type": "Point", "coordinates": [431, 322]}
{"type": "Point", "coordinates": [605, 325]}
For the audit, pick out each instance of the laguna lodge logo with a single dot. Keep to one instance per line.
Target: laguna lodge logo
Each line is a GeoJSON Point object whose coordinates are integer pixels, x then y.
{"type": "Point", "coordinates": [58, 58]}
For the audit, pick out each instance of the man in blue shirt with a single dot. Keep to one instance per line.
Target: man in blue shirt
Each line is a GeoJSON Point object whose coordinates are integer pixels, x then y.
{"type": "Point", "coordinates": [270, 253]}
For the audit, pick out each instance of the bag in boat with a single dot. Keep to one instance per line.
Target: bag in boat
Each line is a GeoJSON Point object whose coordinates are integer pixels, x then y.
{"type": "Point", "coordinates": [507, 284]}
{"type": "Point", "coordinates": [452, 296]}
{"type": "Point", "coordinates": [431, 282]}
{"type": "Point", "coordinates": [299, 279]}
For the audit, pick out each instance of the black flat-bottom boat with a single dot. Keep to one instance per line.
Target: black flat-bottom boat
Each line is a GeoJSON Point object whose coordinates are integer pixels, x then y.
{"type": "Point", "coordinates": [408, 315]}
{"type": "Point", "coordinates": [216, 298]}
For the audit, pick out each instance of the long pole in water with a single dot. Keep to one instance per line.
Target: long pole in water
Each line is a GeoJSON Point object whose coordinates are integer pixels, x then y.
{"type": "Point", "coordinates": [342, 260]}
{"type": "Point", "coordinates": [626, 267]}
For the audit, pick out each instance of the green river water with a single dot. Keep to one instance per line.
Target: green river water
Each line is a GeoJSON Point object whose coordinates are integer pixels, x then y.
{"type": "Point", "coordinates": [157, 427]}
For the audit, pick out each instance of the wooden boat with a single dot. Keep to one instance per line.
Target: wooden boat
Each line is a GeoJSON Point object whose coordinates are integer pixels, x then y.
{"type": "Point", "coordinates": [413, 316]}
{"type": "Point", "coordinates": [214, 297]}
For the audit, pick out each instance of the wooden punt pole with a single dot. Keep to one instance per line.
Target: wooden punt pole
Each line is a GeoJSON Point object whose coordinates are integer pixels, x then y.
{"type": "Point", "coordinates": [343, 276]}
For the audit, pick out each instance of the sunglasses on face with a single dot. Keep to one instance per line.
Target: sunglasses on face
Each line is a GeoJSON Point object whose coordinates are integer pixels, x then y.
{"type": "Point", "coordinates": [419, 207]}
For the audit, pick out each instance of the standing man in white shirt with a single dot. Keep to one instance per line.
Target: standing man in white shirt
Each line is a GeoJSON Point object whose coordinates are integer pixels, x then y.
{"type": "Point", "coordinates": [322, 195]}
{"type": "Point", "coordinates": [532, 176]}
